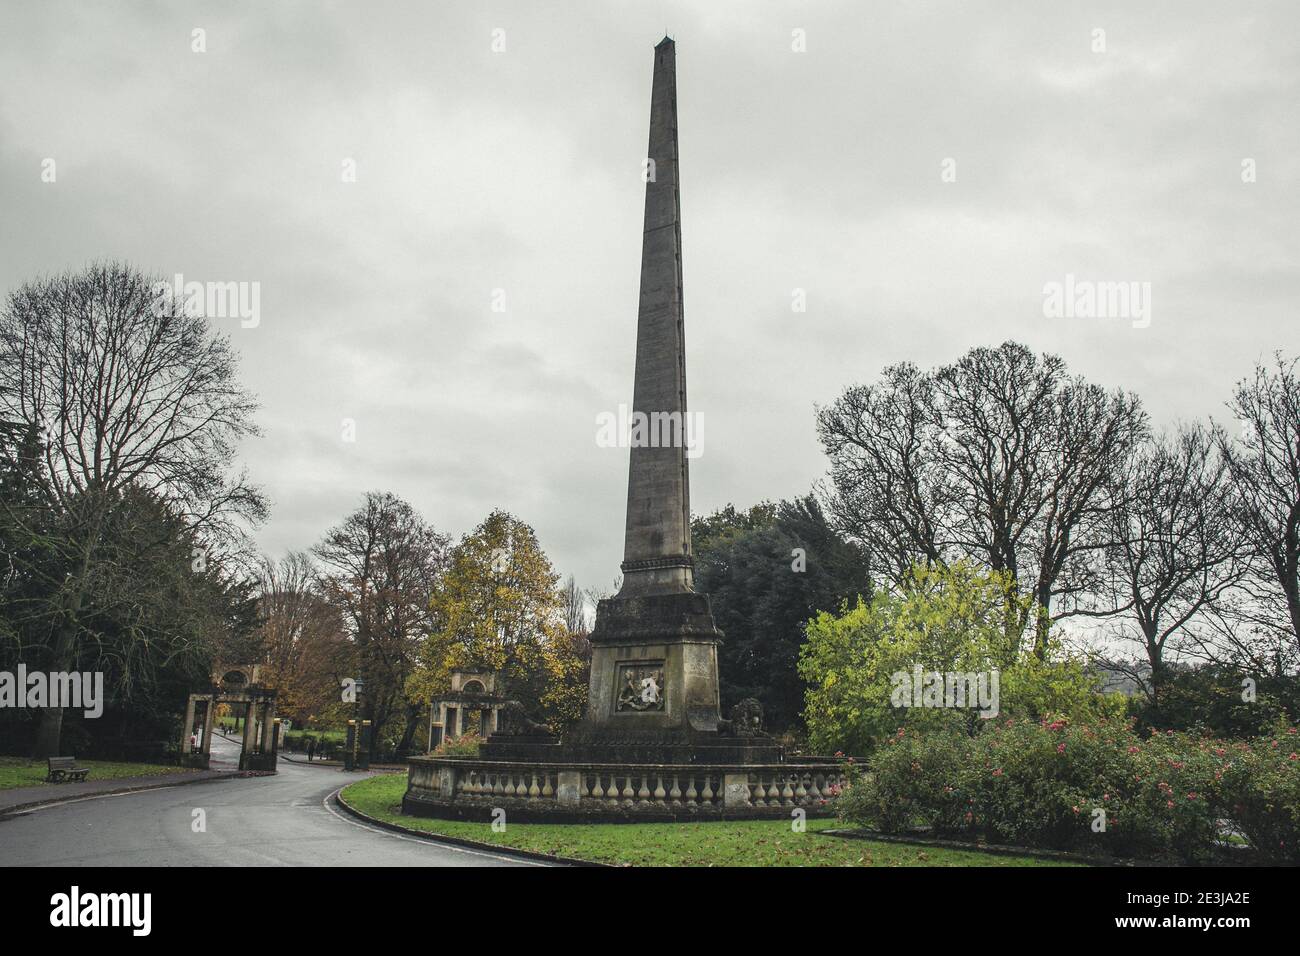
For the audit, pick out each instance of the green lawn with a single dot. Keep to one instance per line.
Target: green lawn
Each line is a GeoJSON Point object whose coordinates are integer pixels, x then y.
{"type": "Point", "coordinates": [740, 843]}
{"type": "Point", "coordinates": [322, 736]}
{"type": "Point", "coordinates": [21, 772]}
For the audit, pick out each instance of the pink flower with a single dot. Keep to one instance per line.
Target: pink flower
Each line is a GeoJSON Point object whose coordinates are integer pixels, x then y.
{"type": "Point", "coordinates": [1169, 804]}
{"type": "Point", "coordinates": [1132, 750]}
{"type": "Point", "coordinates": [1191, 796]}
{"type": "Point", "coordinates": [1060, 748]}
{"type": "Point", "coordinates": [998, 772]}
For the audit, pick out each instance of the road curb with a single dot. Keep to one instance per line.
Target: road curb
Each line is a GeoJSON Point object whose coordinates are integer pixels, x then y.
{"type": "Point", "coordinates": [461, 842]}
{"type": "Point", "coordinates": [19, 808]}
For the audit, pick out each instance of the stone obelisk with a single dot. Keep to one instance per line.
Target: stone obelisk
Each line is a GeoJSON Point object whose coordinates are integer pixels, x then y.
{"type": "Point", "coordinates": [657, 545]}
{"type": "Point", "coordinates": [654, 671]}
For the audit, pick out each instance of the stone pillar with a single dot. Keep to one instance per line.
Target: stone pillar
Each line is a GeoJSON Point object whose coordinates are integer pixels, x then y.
{"type": "Point", "coordinates": [568, 788]}
{"type": "Point", "coordinates": [249, 722]}
{"type": "Point", "coordinates": [209, 722]}
{"type": "Point", "coordinates": [189, 726]}
{"type": "Point", "coordinates": [269, 727]}
{"type": "Point", "coordinates": [735, 790]}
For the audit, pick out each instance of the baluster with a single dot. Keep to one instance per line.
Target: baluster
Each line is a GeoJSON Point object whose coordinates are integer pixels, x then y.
{"type": "Point", "coordinates": [547, 790]}
{"type": "Point", "coordinates": [675, 794]}
{"type": "Point", "coordinates": [706, 795]}
{"type": "Point", "coordinates": [690, 790]}
{"type": "Point", "coordinates": [800, 792]}
{"type": "Point", "coordinates": [534, 791]}
{"type": "Point", "coordinates": [660, 793]}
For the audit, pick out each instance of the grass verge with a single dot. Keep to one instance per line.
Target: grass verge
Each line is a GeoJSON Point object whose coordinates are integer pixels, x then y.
{"type": "Point", "coordinates": [725, 843]}
{"type": "Point", "coordinates": [21, 772]}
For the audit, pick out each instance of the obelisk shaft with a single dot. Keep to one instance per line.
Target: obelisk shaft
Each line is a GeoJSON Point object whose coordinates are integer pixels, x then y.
{"type": "Point", "coordinates": [657, 546]}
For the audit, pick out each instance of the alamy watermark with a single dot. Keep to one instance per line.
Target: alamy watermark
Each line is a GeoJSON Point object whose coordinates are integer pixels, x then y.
{"type": "Point", "coordinates": [75, 908]}
{"type": "Point", "coordinates": [950, 689]}
{"type": "Point", "coordinates": [629, 429]}
{"type": "Point", "coordinates": [1086, 299]}
{"type": "Point", "coordinates": [213, 300]}
{"type": "Point", "coordinates": [37, 689]}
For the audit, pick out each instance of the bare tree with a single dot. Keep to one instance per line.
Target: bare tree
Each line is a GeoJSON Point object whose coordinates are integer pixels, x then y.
{"type": "Point", "coordinates": [575, 608]}
{"type": "Point", "coordinates": [303, 638]}
{"type": "Point", "coordinates": [894, 494]}
{"type": "Point", "coordinates": [1176, 552]}
{"type": "Point", "coordinates": [1265, 468]}
{"type": "Point", "coordinates": [127, 392]}
{"type": "Point", "coordinates": [380, 568]}
{"type": "Point", "coordinates": [999, 457]}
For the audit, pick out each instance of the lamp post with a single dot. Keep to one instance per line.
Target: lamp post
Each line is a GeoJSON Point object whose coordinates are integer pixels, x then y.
{"type": "Point", "coordinates": [356, 755]}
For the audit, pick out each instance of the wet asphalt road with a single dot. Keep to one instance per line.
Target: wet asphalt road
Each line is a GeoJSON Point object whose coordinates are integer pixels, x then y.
{"type": "Point", "coordinates": [284, 820]}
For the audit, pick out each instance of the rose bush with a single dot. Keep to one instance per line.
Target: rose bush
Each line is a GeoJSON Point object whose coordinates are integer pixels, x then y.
{"type": "Point", "coordinates": [1093, 788]}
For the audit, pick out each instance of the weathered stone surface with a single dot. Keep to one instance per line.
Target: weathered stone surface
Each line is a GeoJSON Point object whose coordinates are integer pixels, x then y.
{"type": "Point", "coordinates": [653, 745]}
{"type": "Point", "coordinates": [657, 544]}
{"type": "Point", "coordinates": [473, 788]}
{"type": "Point", "coordinates": [655, 645]}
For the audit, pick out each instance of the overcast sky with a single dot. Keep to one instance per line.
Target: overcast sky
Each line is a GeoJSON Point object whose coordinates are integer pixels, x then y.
{"type": "Point", "coordinates": [520, 170]}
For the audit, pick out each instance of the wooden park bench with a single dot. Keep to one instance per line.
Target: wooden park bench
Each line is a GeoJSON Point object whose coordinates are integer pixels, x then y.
{"type": "Point", "coordinates": [63, 769]}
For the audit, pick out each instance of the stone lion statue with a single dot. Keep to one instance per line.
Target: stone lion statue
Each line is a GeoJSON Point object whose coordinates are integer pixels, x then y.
{"type": "Point", "coordinates": [515, 720]}
{"type": "Point", "coordinates": [746, 718]}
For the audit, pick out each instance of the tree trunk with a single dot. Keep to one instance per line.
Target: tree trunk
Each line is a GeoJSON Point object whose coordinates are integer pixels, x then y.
{"type": "Point", "coordinates": [1042, 620]}
{"type": "Point", "coordinates": [49, 726]}
{"type": "Point", "coordinates": [1155, 655]}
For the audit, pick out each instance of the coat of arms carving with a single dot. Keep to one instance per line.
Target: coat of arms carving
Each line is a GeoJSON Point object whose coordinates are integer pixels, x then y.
{"type": "Point", "coordinates": [641, 687]}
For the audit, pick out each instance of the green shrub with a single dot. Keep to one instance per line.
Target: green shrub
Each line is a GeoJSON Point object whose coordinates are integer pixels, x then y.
{"type": "Point", "coordinates": [952, 618]}
{"type": "Point", "coordinates": [1261, 785]}
{"type": "Point", "coordinates": [1096, 788]}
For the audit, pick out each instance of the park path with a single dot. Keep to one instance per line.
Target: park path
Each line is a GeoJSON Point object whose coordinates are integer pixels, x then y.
{"type": "Point", "coordinates": [281, 820]}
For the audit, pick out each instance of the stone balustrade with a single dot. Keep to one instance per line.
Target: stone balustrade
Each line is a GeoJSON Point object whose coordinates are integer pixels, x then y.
{"type": "Point", "coordinates": [471, 787]}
